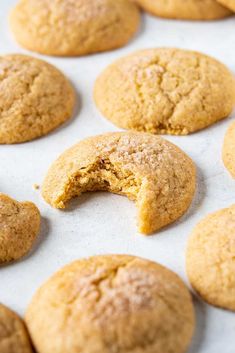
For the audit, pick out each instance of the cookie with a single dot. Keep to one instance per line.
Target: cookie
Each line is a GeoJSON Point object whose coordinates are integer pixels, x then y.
{"type": "Point", "coordinates": [74, 27]}
{"type": "Point", "coordinates": [165, 91]}
{"type": "Point", "coordinates": [185, 9]}
{"type": "Point", "coordinates": [229, 149]}
{"type": "Point", "coordinates": [112, 303]}
{"type": "Point", "coordinates": [19, 227]}
{"type": "Point", "coordinates": [13, 335]}
{"type": "Point", "coordinates": [35, 98]}
{"type": "Point", "coordinates": [153, 172]}
{"type": "Point", "coordinates": [230, 4]}
{"type": "Point", "coordinates": [210, 258]}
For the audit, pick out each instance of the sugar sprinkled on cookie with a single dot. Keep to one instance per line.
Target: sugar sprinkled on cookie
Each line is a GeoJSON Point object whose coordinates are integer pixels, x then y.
{"type": "Point", "coordinates": [74, 27]}
{"type": "Point", "coordinates": [35, 98]}
{"type": "Point", "coordinates": [210, 258]}
{"type": "Point", "coordinates": [153, 172]}
{"type": "Point", "coordinates": [165, 91]}
{"type": "Point", "coordinates": [14, 337]}
{"type": "Point", "coordinates": [112, 303]}
{"type": "Point", "coordinates": [19, 227]}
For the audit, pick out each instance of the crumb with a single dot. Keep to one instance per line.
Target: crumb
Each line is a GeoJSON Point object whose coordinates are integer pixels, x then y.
{"type": "Point", "coordinates": [36, 186]}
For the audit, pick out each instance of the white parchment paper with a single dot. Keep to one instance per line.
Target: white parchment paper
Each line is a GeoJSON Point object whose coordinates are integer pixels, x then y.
{"type": "Point", "coordinates": [101, 223]}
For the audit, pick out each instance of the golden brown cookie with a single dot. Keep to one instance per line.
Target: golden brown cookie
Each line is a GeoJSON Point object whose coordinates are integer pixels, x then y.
{"type": "Point", "coordinates": [230, 4]}
{"type": "Point", "coordinates": [112, 303]}
{"type": "Point", "coordinates": [229, 149]}
{"type": "Point", "coordinates": [19, 227]}
{"type": "Point", "coordinates": [210, 258]}
{"type": "Point", "coordinates": [35, 98]}
{"type": "Point", "coordinates": [153, 172]}
{"type": "Point", "coordinates": [185, 9]}
{"type": "Point", "coordinates": [13, 335]}
{"type": "Point", "coordinates": [166, 91]}
{"type": "Point", "coordinates": [74, 27]}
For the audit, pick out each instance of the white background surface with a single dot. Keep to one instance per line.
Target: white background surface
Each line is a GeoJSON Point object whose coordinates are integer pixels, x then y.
{"type": "Point", "coordinates": [101, 223]}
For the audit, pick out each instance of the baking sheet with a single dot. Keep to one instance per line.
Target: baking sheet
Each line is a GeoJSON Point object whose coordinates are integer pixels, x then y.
{"type": "Point", "coordinates": [99, 223]}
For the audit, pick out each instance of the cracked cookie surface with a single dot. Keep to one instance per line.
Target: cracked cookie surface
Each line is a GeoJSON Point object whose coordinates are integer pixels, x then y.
{"type": "Point", "coordinates": [19, 227]}
{"type": "Point", "coordinates": [35, 98]}
{"type": "Point", "coordinates": [230, 4]}
{"type": "Point", "coordinates": [13, 334]}
{"type": "Point", "coordinates": [185, 9]}
{"type": "Point", "coordinates": [210, 258]}
{"type": "Point", "coordinates": [166, 91]}
{"type": "Point", "coordinates": [229, 149]}
{"type": "Point", "coordinates": [74, 27]}
{"type": "Point", "coordinates": [112, 303]}
{"type": "Point", "coordinates": [149, 170]}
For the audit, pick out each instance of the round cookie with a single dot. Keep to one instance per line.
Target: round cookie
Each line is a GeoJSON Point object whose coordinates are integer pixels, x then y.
{"type": "Point", "coordinates": [13, 335]}
{"type": "Point", "coordinates": [19, 227]}
{"type": "Point", "coordinates": [210, 258]}
{"type": "Point", "coordinates": [35, 98]}
{"type": "Point", "coordinates": [230, 4]}
{"type": "Point", "coordinates": [74, 27]}
{"type": "Point", "coordinates": [165, 91]}
{"type": "Point", "coordinates": [112, 303]}
{"type": "Point", "coordinates": [185, 9]}
{"type": "Point", "coordinates": [153, 172]}
{"type": "Point", "coordinates": [229, 149]}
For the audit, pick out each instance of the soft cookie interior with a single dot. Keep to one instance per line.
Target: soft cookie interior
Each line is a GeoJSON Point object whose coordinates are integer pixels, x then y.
{"type": "Point", "coordinates": [155, 174]}
{"type": "Point", "coordinates": [105, 176]}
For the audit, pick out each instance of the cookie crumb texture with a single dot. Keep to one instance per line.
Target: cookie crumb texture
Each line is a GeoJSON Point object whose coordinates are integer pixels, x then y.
{"type": "Point", "coordinates": [146, 168]}
{"type": "Point", "coordinates": [210, 258]}
{"type": "Point", "coordinates": [35, 98]}
{"type": "Point", "coordinates": [165, 91]}
{"type": "Point", "coordinates": [13, 335]}
{"type": "Point", "coordinates": [36, 186]}
{"type": "Point", "coordinates": [230, 4]}
{"type": "Point", "coordinates": [19, 227]}
{"type": "Point", "coordinates": [229, 150]}
{"type": "Point", "coordinates": [185, 9]}
{"type": "Point", "coordinates": [74, 27]}
{"type": "Point", "coordinates": [110, 304]}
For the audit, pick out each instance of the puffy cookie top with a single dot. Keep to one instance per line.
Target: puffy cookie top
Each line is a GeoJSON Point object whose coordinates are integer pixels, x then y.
{"type": "Point", "coordinates": [74, 27]}
{"type": "Point", "coordinates": [35, 98]}
{"type": "Point", "coordinates": [210, 258]}
{"type": "Point", "coordinates": [13, 334]}
{"type": "Point", "coordinates": [112, 303]}
{"type": "Point", "coordinates": [19, 227]}
{"type": "Point", "coordinates": [186, 9]}
{"type": "Point", "coordinates": [165, 90]}
{"type": "Point", "coordinates": [146, 168]}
